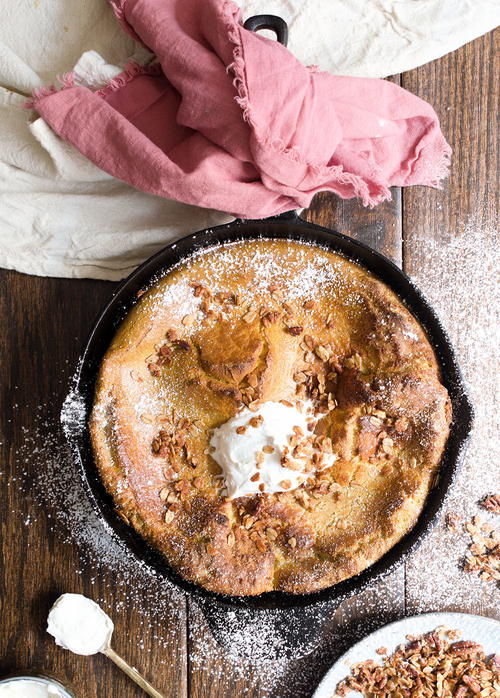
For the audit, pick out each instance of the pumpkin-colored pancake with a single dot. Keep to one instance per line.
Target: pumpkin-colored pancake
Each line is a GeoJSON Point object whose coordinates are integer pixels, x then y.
{"type": "Point", "coordinates": [256, 321]}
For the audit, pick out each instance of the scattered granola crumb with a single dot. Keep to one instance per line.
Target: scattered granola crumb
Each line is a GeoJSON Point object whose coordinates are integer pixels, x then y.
{"type": "Point", "coordinates": [433, 664]}
{"type": "Point", "coordinates": [492, 503]}
{"type": "Point", "coordinates": [483, 555]}
{"type": "Point", "coordinates": [452, 522]}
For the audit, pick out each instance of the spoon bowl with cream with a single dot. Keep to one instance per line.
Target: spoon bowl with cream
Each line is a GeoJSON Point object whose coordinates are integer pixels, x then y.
{"type": "Point", "coordinates": [78, 624]}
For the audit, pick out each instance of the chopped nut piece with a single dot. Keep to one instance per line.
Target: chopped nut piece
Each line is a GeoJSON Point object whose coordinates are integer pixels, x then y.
{"type": "Point", "coordinates": [165, 353]}
{"type": "Point", "coordinates": [169, 516]}
{"type": "Point", "coordinates": [387, 444]}
{"type": "Point", "coordinates": [287, 403]}
{"type": "Point", "coordinates": [181, 344]}
{"type": "Point", "coordinates": [261, 546]}
{"type": "Point", "coordinates": [322, 352]}
{"type": "Point", "coordinates": [452, 522]}
{"type": "Point", "coordinates": [206, 309]}
{"type": "Point", "coordinates": [292, 542]}
{"type": "Point", "coordinates": [241, 430]}
{"type": "Point", "coordinates": [270, 318]}
{"type": "Point", "coordinates": [492, 503]}
{"type": "Point", "coordinates": [268, 449]}
{"type": "Point", "coordinates": [188, 320]}
{"type": "Point", "coordinates": [154, 369]}
{"type": "Point", "coordinates": [256, 421]}
{"type": "Point", "coordinates": [250, 315]}
{"type": "Point", "coordinates": [285, 484]}
{"type": "Point", "coordinates": [248, 521]}
{"type": "Point", "coordinates": [253, 380]}
{"type": "Point", "coordinates": [255, 477]}
{"type": "Point", "coordinates": [401, 424]}
{"type": "Point", "coordinates": [295, 331]}
{"type": "Point", "coordinates": [164, 492]}
{"type": "Point", "coordinates": [472, 683]}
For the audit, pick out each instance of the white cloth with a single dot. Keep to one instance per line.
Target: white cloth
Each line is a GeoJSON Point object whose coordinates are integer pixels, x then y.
{"type": "Point", "coordinates": [62, 216]}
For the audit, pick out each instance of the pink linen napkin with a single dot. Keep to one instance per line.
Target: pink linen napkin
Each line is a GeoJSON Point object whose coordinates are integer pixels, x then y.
{"type": "Point", "coordinates": [230, 120]}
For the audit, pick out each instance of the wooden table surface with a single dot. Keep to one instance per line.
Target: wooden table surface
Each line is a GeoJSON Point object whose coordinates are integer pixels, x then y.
{"type": "Point", "coordinates": [44, 324]}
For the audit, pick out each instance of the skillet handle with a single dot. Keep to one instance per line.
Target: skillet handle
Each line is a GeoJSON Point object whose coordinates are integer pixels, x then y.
{"type": "Point", "coordinates": [291, 633]}
{"type": "Point", "coordinates": [272, 22]}
{"type": "Point", "coordinates": [292, 215]}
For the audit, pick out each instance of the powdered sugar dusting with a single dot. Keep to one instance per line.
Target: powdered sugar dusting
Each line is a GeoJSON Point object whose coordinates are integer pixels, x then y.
{"type": "Point", "coordinates": [459, 275]}
{"type": "Point", "coordinates": [229, 267]}
{"type": "Point", "coordinates": [54, 482]}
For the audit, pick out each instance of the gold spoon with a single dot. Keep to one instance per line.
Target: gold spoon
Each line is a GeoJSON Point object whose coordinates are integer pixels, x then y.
{"type": "Point", "coordinates": [131, 672]}
{"type": "Point", "coordinates": [78, 624]}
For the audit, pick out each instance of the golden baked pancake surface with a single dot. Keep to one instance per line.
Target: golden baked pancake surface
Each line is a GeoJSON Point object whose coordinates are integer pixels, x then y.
{"type": "Point", "coordinates": [269, 320]}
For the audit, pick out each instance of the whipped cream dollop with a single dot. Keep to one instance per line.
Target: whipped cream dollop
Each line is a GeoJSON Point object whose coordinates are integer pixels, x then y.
{"type": "Point", "coordinates": [271, 449]}
{"type": "Point", "coordinates": [28, 688]}
{"type": "Point", "coordinates": [78, 624]}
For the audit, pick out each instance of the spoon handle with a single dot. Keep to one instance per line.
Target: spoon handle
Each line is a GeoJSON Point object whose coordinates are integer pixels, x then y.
{"type": "Point", "coordinates": [132, 673]}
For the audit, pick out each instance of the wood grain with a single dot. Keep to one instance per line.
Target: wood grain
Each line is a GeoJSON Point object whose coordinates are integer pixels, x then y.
{"type": "Point", "coordinates": [44, 323]}
{"type": "Point", "coordinates": [467, 207]}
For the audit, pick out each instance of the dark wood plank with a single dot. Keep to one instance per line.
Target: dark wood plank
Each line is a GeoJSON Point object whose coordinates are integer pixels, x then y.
{"type": "Point", "coordinates": [379, 227]}
{"type": "Point", "coordinates": [451, 240]}
{"type": "Point", "coordinates": [44, 323]}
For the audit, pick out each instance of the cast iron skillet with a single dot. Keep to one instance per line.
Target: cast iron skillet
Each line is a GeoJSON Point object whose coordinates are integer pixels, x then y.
{"type": "Point", "coordinates": [287, 226]}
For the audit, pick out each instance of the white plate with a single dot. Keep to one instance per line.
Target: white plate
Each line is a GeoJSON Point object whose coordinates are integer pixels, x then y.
{"type": "Point", "coordinates": [476, 628]}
